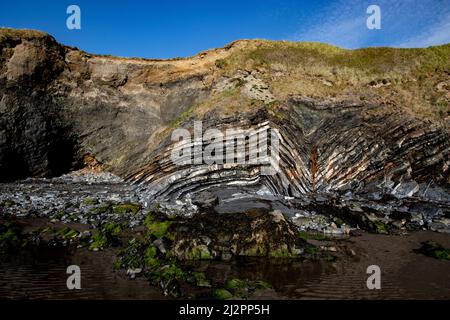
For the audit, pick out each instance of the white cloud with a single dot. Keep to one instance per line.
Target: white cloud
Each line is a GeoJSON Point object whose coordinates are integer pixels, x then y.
{"type": "Point", "coordinates": [408, 23]}
{"type": "Point", "coordinates": [338, 25]}
{"type": "Point", "coordinates": [437, 34]}
{"type": "Point", "coordinates": [344, 33]}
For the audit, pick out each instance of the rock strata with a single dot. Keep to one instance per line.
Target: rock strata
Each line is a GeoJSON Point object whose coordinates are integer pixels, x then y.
{"type": "Point", "coordinates": [370, 146]}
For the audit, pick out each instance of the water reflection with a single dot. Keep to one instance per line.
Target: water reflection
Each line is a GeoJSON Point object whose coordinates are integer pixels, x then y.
{"type": "Point", "coordinates": [42, 275]}
{"type": "Point", "coordinates": [406, 275]}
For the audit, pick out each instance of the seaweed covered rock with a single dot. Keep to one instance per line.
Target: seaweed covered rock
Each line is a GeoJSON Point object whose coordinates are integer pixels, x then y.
{"type": "Point", "coordinates": [435, 250]}
{"type": "Point", "coordinates": [257, 232]}
{"type": "Point", "coordinates": [10, 237]}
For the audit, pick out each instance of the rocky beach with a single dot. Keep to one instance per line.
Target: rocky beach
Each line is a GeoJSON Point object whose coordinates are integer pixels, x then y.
{"type": "Point", "coordinates": [99, 222]}
{"type": "Point", "coordinates": [359, 154]}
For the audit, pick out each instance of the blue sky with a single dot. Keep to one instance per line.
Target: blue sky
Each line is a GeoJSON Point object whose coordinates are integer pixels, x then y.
{"type": "Point", "coordinates": [167, 29]}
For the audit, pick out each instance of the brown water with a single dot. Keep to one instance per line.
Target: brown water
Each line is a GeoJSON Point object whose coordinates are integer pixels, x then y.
{"type": "Point", "coordinates": [42, 275]}
{"type": "Point", "coordinates": [405, 274]}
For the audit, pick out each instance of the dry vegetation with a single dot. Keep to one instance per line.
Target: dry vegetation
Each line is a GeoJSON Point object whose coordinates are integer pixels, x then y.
{"type": "Point", "coordinates": [412, 80]}
{"type": "Point", "coordinates": [18, 34]}
{"type": "Point", "coordinates": [416, 81]}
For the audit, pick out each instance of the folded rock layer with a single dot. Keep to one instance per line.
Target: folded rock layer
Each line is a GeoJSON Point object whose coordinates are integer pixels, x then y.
{"type": "Point", "coordinates": [344, 119]}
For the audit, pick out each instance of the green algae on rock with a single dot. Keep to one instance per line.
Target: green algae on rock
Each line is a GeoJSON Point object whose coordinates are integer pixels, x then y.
{"type": "Point", "coordinates": [435, 250]}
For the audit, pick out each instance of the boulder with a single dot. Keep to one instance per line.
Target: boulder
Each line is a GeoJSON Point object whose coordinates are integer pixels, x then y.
{"type": "Point", "coordinates": [257, 232]}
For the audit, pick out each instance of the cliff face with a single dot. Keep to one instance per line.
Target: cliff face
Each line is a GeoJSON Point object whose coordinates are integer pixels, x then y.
{"type": "Point", "coordinates": [59, 104]}
{"type": "Point", "coordinates": [347, 120]}
{"type": "Point", "coordinates": [31, 128]}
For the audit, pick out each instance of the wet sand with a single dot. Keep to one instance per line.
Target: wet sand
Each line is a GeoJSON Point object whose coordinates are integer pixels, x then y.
{"type": "Point", "coordinates": [42, 275]}
{"type": "Point", "coordinates": [405, 273]}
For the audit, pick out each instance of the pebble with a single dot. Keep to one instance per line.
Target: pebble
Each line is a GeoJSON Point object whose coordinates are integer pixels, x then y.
{"type": "Point", "coordinates": [66, 198]}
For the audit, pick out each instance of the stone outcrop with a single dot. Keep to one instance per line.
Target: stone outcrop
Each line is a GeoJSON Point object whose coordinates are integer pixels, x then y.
{"type": "Point", "coordinates": [59, 104]}
{"type": "Point", "coordinates": [253, 233]}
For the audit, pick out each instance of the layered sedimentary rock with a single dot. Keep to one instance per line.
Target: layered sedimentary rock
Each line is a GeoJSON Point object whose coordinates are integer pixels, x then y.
{"type": "Point", "coordinates": [370, 121]}
{"type": "Point", "coordinates": [322, 148]}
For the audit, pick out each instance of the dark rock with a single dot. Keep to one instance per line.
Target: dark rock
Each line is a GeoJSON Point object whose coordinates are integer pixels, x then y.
{"type": "Point", "coordinates": [162, 245]}
{"type": "Point", "coordinates": [435, 250]}
{"type": "Point", "coordinates": [355, 233]}
{"type": "Point", "coordinates": [205, 200]}
{"type": "Point", "coordinates": [257, 232]}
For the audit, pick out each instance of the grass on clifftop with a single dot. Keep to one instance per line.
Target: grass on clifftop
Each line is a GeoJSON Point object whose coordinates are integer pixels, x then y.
{"type": "Point", "coordinates": [369, 60]}
{"type": "Point", "coordinates": [412, 80]}
{"type": "Point", "coordinates": [26, 34]}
